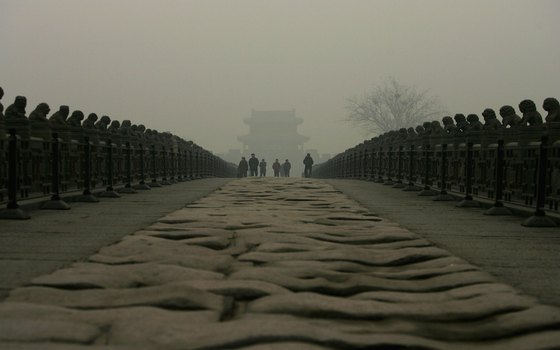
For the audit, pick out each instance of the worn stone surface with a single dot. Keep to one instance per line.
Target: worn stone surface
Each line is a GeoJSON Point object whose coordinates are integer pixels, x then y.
{"type": "Point", "coordinates": [279, 263]}
{"type": "Point", "coordinates": [53, 239]}
{"type": "Point", "coordinates": [177, 296]}
{"type": "Point", "coordinates": [138, 249]}
{"type": "Point", "coordinates": [60, 346]}
{"type": "Point", "coordinates": [94, 275]}
{"type": "Point", "coordinates": [524, 257]}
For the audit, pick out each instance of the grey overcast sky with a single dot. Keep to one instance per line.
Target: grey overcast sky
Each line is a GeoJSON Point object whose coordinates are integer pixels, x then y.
{"type": "Point", "coordinates": [197, 68]}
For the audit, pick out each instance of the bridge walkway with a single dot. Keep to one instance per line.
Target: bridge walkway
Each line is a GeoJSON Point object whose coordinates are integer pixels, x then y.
{"type": "Point", "coordinates": [52, 239]}
{"type": "Point", "coordinates": [267, 263]}
{"type": "Point", "coordinates": [526, 258]}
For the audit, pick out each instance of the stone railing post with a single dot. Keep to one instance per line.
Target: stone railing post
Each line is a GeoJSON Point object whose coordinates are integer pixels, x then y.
{"type": "Point", "coordinates": [154, 182]}
{"type": "Point", "coordinates": [443, 195]}
{"type": "Point", "coordinates": [109, 191]}
{"type": "Point", "coordinates": [128, 169]}
{"type": "Point", "coordinates": [539, 218]}
{"type": "Point", "coordinates": [55, 202]}
{"type": "Point", "coordinates": [468, 201]}
{"type": "Point", "coordinates": [142, 184]}
{"type": "Point", "coordinates": [87, 196]}
{"type": "Point", "coordinates": [164, 180]}
{"type": "Point", "coordinates": [13, 211]}
{"type": "Point", "coordinates": [399, 183]}
{"type": "Point", "coordinates": [190, 162]}
{"type": "Point", "coordinates": [498, 208]}
{"type": "Point", "coordinates": [390, 167]}
{"type": "Point", "coordinates": [411, 186]}
{"type": "Point", "coordinates": [379, 165]}
{"type": "Point", "coordinates": [198, 162]}
{"type": "Point", "coordinates": [372, 164]}
{"type": "Point", "coordinates": [427, 191]}
{"type": "Point", "coordinates": [179, 165]}
{"type": "Point", "coordinates": [186, 166]}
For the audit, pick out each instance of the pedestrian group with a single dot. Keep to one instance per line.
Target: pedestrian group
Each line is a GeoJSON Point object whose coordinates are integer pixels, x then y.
{"type": "Point", "coordinates": [255, 168]}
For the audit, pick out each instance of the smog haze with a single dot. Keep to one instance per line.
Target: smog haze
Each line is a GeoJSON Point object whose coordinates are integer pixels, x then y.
{"type": "Point", "coordinates": [198, 68]}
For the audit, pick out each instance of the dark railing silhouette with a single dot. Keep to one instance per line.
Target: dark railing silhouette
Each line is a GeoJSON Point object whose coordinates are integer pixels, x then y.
{"type": "Point", "coordinates": [516, 160]}
{"type": "Point", "coordinates": [42, 156]}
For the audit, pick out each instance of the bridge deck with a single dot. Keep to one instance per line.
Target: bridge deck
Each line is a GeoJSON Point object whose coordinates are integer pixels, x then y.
{"type": "Point", "coordinates": [524, 257]}
{"type": "Point", "coordinates": [274, 264]}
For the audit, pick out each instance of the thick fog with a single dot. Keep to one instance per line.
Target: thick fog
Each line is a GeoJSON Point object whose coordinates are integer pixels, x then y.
{"type": "Point", "coordinates": [198, 68]}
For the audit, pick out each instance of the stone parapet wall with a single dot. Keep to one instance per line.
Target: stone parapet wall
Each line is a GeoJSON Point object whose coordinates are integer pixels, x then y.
{"type": "Point", "coordinates": [137, 154]}
{"type": "Point", "coordinates": [462, 156]}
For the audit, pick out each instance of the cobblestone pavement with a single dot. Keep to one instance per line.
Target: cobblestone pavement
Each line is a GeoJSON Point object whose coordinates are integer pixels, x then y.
{"type": "Point", "coordinates": [274, 264]}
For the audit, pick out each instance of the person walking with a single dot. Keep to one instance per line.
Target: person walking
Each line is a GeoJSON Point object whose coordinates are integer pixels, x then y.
{"type": "Point", "coordinates": [308, 162]}
{"type": "Point", "coordinates": [286, 168]}
{"type": "Point", "coordinates": [276, 167]}
{"type": "Point", "coordinates": [253, 165]}
{"type": "Point", "coordinates": [242, 168]}
{"type": "Point", "coordinates": [262, 166]}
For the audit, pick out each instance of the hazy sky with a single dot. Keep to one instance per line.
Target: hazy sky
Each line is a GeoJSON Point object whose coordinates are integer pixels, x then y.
{"type": "Point", "coordinates": [197, 68]}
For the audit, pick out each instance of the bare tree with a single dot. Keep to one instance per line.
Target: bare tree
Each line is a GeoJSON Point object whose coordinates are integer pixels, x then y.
{"type": "Point", "coordinates": [393, 106]}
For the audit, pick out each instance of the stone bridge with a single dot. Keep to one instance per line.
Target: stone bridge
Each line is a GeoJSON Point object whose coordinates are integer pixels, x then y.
{"type": "Point", "coordinates": [278, 263]}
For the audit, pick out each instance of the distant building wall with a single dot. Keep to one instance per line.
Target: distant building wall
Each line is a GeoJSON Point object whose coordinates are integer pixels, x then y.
{"type": "Point", "coordinates": [273, 135]}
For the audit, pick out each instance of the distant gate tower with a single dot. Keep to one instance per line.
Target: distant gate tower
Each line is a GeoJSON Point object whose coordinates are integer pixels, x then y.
{"type": "Point", "coordinates": [273, 134]}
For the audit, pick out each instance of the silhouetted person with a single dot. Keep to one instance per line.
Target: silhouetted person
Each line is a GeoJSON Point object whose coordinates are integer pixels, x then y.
{"type": "Point", "coordinates": [286, 168]}
{"type": "Point", "coordinates": [262, 167]}
{"type": "Point", "coordinates": [276, 168]}
{"type": "Point", "coordinates": [253, 165]}
{"type": "Point", "coordinates": [243, 167]}
{"type": "Point", "coordinates": [308, 162]}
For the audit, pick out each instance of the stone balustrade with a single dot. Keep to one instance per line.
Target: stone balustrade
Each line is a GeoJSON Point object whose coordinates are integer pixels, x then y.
{"type": "Point", "coordinates": [47, 156]}
{"type": "Point", "coordinates": [516, 160]}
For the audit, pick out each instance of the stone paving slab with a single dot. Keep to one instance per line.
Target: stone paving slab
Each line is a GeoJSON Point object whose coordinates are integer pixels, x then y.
{"type": "Point", "coordinates": [524, 257]}
{"type": "Point", "coordinates": [53, 239]}
{"type": "Point", "coordinates": [274, 263]}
